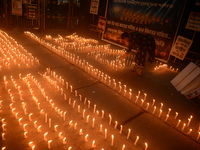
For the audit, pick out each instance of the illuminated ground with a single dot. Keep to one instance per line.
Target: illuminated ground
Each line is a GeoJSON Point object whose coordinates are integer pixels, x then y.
{"type": "Point", "coordinates": [150, 128]}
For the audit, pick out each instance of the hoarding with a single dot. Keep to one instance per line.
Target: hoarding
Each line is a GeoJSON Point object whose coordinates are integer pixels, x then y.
{"type": "Point", "coordinates": [181, 47]}
{"type": "Point", "coordinates": [94, 7]}
{"type": "Point", "coordinates": [17, 7]}
{"type": "Point", "coordinates": [159, 18]}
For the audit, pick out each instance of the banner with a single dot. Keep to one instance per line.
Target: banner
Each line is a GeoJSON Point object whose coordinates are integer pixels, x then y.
{"type": "Point", "coordinates": [17, 7]}
{"type": "Point", "coordinates": [193, 22]}
{"type": "Point", "coordinates": [159, 18]}
{"type": "Point", "coordinates": [31, 11]}
{"type": "Point", "coordinates": [94, 7]}
{"type": "Point", "coordinates": [181, 47]}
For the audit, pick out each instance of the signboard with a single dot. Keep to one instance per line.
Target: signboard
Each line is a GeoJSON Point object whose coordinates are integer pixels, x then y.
{"type": "Point", "coordinates": [193, 22]}
{"type": "Point", "coordinates": [154, 17]}
{"type": "Point", "coordinates": [31, 11]}
{"type": "Point", "coordinates": [94, 6]}
{"type": "Point", "coordinates": [101, 24]}
{"type": "Point", "coordinates": [17, 7]}
{"type": "Point", "coordinates": [181, 47]}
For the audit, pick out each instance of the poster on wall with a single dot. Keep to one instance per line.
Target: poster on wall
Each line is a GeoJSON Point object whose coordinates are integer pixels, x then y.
{"type": "Point", "coordinates": [159, 18]}
{"type": "Point", "coordinates": [94, 7]}
{"type": "Point", "coordinates": [17, 7]}
{"type": "Point", "coordinates": [193, 22]}
{"type": "Point", "coordinates": [180, 47]}
{"type": "Point", "coordinates": [31, 11]}
{"type": "Point", "coordinates": [101, 24]}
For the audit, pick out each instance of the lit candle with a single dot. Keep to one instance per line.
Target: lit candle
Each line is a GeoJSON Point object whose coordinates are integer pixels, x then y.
{"type": "Point", "coordinates": [146, 146]}
{"type": "Point", "coordinates": [129, 132]}
{"type": "Point", "coordinates": [176, 115]}
{"type": "Point", "coordinates": [55, 128]}
{"type": "Point", "coordinates": [115, 124]}
{"type": "Point", "coordinates": [183, 126]}
{"type": "Point", "coordinates": [102, 114]}
{"type": "Point", "coordinates": [160, 113]}
{"type": "Point", "coordinates": [93, 144]}
{"type": "Point", "coordinates": [166, 118]}
{"type": "Point", "coordinates": [130, 95]}
{"type": "Point", "coordinates": [64, 115]}
{"type": "Point", "coordinates": [86, 138]}
{"type": "Point", "coordinates": [84, 113]}
{"type": "Point", "coordinates": [24, 127]}
{"type": "Point", "coordinates": [88, 116]}
{"type": "Point", "coordinates": [112, 140]}
{"type": "Point", "coordinates": [189, 131]}
{"type": "Point", "coordinates": [64, 140]}
{"type": "Point", "coordinates": [30, 116]}
{"type": "Point", "coordinates": [49, 144]}
{"type": "Point", "coordinates": [94, 110]}
{"type": "Point", "coordinates": [106, 133]}
{"type": "Point", "coordinates": [25, 135]}
{"type": "Point", "coordinates": [38, 128]}
{"type": "Point", "coordinates": [153, 102]}
{"type": "Point", "coordinates": [65, 97]}
{"type": "Point", "coordinates": [74, 103]}
{"type": "Point", "coordinates": [69, 148]}
{"type": "Point", "coordinates": [75, 125]}
{"type": "Point", "coordinates": [179, 121]}
{"type": "Point", "coordinates": [81, 132]}
{"type": "Point", "coordinates": [35, 124]}
{"type": "Point", "coordinates": [142, 101]}
{"type": "Point", "coordinates": [138, 94]}
{"type": "Point", "coordinates": [70, 99]}
{"type": "Point", "coordinates": [123, 147]}
{"type": "Point", "coordinates": [70, 123]}
{"type": "Point", "coordinates": [101, 128]}
{"type": "Point", "coordinates": [60, 135]}
{"type": "Point", "coordinates": [147, 106]}
{"type": "Point", "coordinates": [136, 99]}
{"type": "Point", "coordinates": [79, 109]}
{"type": "Point", "coordinates": [38, 106]}
{"type": "Point", "coordinates": [145, 95]}
{"type": "Point", "coordinates": [154, 109]}
{"type": "Point", "coordinates": [45, 136]}
{"type": "Point", "coordinates": [137, 138]}
{"type": "Point", "coordinates": [3, 136]}
{"type": "Point", "coordinates": [49, 122]}
{"type": "Point", "coordinates": [189, 120]}
{"type": "Point", "coordinates": [169, 110]}
{"type": "Point", "coordinates": [88, 104]}
{"type": "Point", "coordinates": [71, 88]}
{"type": "Point", "coordinates": [121, 128]}
{"type": "Point", "coordinates": [110, 119]}
{"type": "Point", "coordinates": [85, 100]}
{"type": "Point", "coordinates": [161, 106]}
{"type": "Point", "coordinates": [45, 117]}
{"type": "Point", "coordinates": [93, 121]}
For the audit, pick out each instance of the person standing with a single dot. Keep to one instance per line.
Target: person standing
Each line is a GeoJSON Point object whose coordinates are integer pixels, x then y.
{"type": "Point", "coordinates": [145, 47]}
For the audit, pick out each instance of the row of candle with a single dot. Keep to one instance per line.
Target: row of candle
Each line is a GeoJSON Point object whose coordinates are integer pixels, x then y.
{"type": "Point", "coordinates": [25, 112]}
{"type": "Point", "coordinates": [161, 66]}
{"type": "Point", "coordinates": [87, 120]}
{"type": "Point", "coordinates": [53, 74]}
{"type": "Point", "coordinates": [94, 72]}
{"type": "Point", "coordinates": [15, 112]}
{"type": "Point", "coordinates": [13, 53]}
